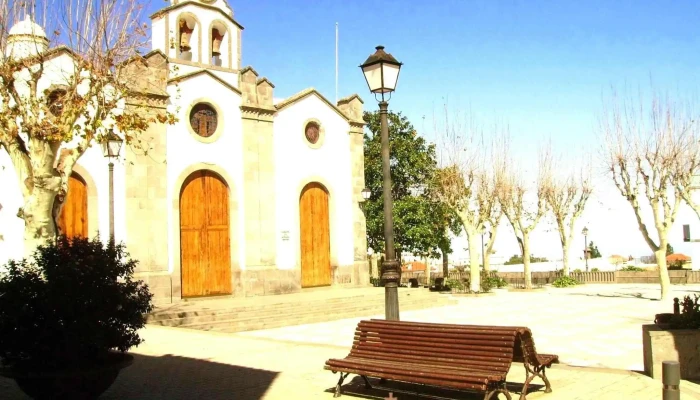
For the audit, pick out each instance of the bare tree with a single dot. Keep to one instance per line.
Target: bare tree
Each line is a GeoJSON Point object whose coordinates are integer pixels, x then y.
{"type": "Point", "coordinates": [466, 185]}
{"type": "Point", "coordinates": [521, 206]}
{"type": "Point", "coordinates": [687, 166]}
{"type": "Point", "coordinates": [566, 196]}
{"type": "Point", "coordinates": [644, 150]}
{"type": "Point", "coordinates": [52, 111]}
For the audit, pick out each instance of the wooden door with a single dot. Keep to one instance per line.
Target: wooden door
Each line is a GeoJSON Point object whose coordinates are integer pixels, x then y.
{"type": "Point", "coordinates": [205, 247]}
{"type": "Point", "coordinates": [73, 220]}
{"type": "Point", "coordinates": [314, 236]}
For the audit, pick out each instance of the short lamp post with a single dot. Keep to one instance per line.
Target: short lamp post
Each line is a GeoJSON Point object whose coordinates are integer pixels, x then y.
{"type": "Point", "coordinates": [585, 246]}
{"type": "Point", "coordinates": [111, 145]}
{"type": "Point", "coordinates": [366, 194]}
{"type": "Point", "coordinates": [381, 71]}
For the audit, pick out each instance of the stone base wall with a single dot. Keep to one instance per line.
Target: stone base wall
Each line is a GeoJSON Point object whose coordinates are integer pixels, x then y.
{"type": "Point", "coordinates": [680, 345]}
{"type": "Point", "coordinates": [270, 281]}
{"type": "Point", "coordinates": [256, 282]}
{"type": "Point", "coordinates": [160, 284]}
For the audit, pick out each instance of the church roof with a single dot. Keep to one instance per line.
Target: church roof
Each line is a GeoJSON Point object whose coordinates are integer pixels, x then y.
{"type": "Point", "coordinates": [185, 77]}
{"type": "Point", "coordinates": [304, 94]}
{"type": "Point", "coordinates": [27, 27]}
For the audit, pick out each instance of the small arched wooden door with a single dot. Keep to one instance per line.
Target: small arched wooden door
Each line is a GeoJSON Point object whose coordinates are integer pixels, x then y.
{"type": "Point", "coordinates": [314, 236]}
{"type": "Point", "coordinates": [73, 220]}
{"type": "Point", "coordinates": [205, 247]}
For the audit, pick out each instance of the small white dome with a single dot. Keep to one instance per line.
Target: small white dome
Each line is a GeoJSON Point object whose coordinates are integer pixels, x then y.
{"type": "Point", "coordinates": [27, 27]}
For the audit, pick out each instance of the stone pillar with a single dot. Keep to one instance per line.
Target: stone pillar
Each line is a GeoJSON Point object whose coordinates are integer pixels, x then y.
{"type": "Point", "coordinates": [146, 189]}
{"type": "Point", "coordinates": [259, 182]}
{"type": "Point", "coordinates": [352, 108]}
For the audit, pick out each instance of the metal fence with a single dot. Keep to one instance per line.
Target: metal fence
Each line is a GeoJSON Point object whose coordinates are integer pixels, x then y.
{"type": "Point", "coordinates": [517, 279]}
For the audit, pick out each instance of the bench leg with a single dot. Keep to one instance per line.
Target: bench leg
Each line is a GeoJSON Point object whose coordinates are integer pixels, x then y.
{"type": "Point", "coordinates": [530, 374]}
{"type": "Point", "coordinates": [502, 389]}
{"type": "Point", "coordinates": [340, 382]}
{"type": "Point", "coordinates": [367, 384]}
{"type": "Point", "coordinates": [548, 387]}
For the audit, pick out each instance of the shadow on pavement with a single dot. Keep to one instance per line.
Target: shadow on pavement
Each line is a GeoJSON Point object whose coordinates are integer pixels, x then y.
{"type": "Point", "coordinates": [176, 378]}
{"type": "Point", "coordinates": [356, 389]}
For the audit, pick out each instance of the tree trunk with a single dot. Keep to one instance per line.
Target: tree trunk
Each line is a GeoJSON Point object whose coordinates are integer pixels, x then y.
{"type": "Point", "coordinates": [39, 223]}
{"type": "Point", "coordinates": [445, 263]}
{"type": "Point", "coordinates": [475, 282]}
{"type": "Point", "coordinates": [526, 260]}
{"type": "Point", "coordinates": [489, 248]}
{"type": "Point", "coordinates": [663, 270]}
{"type": "Point", "coordinates": [565, 251]}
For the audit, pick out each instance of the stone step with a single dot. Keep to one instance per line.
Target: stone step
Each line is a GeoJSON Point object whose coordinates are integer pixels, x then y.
{"type": "Point", "coordinates": [251, 324]}
{"type": "Point", "coordinates": [277, 308]}
{"type": "Point", "coordinates": [230, 314]}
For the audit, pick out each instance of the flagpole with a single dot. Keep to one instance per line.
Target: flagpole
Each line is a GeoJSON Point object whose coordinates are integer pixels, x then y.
{"type": "Point", "coordinates": [336, 63]}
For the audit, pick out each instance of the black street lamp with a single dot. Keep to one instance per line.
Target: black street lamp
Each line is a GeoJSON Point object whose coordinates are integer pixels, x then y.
{"type": "Point", "coordinates": [585, 244]}
{"type": "Point", "coordinates": [111, 145]}
{"type": "Point", "coordinates": [381, 71]}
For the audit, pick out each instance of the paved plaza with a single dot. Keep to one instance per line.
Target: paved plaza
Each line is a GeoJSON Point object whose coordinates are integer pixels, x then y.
{"type": "Point", "coordinates": [596, 330]}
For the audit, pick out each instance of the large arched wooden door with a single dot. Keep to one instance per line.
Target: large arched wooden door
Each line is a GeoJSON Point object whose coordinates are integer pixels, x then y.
{"type": "Point", "coordinates": [73, 220]}
{"type": "Point", "coordinates": [205, 246]}
{"type": "Point", "coordinates": [314, 236]}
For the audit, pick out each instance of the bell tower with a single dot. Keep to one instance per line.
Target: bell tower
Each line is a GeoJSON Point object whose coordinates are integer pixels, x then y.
{"type": "Point", "coordinates": [198, 33]}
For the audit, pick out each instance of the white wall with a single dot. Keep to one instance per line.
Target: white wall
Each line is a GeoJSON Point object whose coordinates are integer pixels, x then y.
{"type": "Point", "coordinates": [57, 71]}
{"type": "Point", "coordinates": [296, 163]}
{"type": "Point", "coordinates": [226, 152]}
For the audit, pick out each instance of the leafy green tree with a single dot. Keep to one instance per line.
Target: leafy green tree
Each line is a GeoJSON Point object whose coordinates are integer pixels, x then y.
{"type": "Point", "coordinates": [595, 253]}
{"type": "Point", "coordinates": [421, 224]}
{"type": "Point", "coordinates": [669, 249]}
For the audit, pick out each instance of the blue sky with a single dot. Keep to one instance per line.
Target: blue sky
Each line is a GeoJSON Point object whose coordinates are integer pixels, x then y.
{"type": "Point", "coordinates": [543, 66]}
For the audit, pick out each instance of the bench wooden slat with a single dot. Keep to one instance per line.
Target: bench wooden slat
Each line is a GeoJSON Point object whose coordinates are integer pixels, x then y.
{"type": "Point", "coordinates": [388, 368]}
{"type": "Point", "coordinates": [483, 341]}
{"type": "Point", "coordinates": [495, 364]}
{"type": "Point", "coordinates": [485, 355]}
{"type": "Point", "coordinates": [449, 364]}
{"type": "Point", "coordinates": [430, 367]}
{"type": "Point", "coordinates": [411, 379]}
{"type": "Point", "coordinates": [496, 346]}
{"type": "Point", "coordinates": [447, 329]}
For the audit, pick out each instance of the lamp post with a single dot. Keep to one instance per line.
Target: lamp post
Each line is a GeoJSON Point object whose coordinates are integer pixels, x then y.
{"type": "Point", "coordinates": [366, 194]}
{"type": "Point", "coordinates": [381, 71]}
{"type": "Point", "coordinates": [585, 244]}
{"type": "Point", "coordinates": [111, 145]}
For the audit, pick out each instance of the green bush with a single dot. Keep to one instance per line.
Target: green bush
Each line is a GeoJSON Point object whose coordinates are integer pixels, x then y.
{"type": "Point", "coordinates": [565, 281]}
{"type": "Point", "coordinates": [631, 268]}
{"type": "Point", "coordinates": [69, 304]}
{"type": "Point", "coordinates": [689, 318]}
{"type": "Point", "coordinates": [495, 281]}
{"type": "Point", "coordinates": [454, 284]}
{"type": "Point", "coordinates": [577, 271]}
{"type": "Point", "coordinates": [595, 270]}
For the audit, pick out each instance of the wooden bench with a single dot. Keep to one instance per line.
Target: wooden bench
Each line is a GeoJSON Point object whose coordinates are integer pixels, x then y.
{"type": "Point", "coordinates": [470, 358]}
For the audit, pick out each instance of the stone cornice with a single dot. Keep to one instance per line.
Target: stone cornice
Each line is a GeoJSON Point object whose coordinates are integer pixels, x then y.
{"type": "Point", "coordinates": [258, 113]}
{"type": "Point", "coordinates": [350, 98]}
{"type": "Point", "coordinates": [263, 80]}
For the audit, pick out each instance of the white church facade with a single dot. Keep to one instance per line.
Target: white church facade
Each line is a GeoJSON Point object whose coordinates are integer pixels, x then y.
{"type": "Point", "coordinates": [242, 196]}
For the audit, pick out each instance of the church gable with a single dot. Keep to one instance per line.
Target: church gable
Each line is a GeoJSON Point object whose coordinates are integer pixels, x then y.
{"type": "Point", "coordinates": [206, 75]}
{"type": "Point", "coordinates": [310, 92]}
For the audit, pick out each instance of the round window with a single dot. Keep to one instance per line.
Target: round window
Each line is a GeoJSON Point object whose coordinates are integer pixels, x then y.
{"type": "Point", "coordinates": [203, 120]}
{"type": "Point", "coordinates": [312, 132]}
